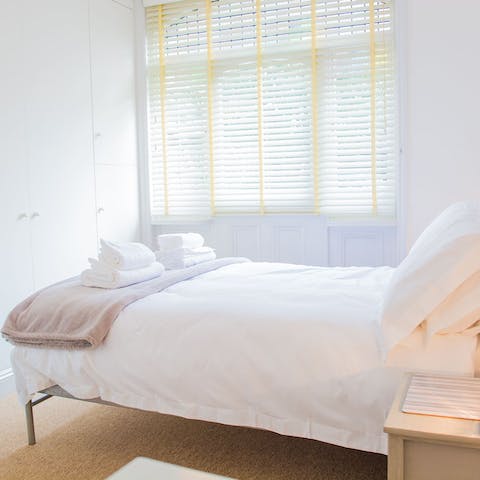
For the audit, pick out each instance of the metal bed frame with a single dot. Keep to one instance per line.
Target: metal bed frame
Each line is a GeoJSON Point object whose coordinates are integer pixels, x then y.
{"type": "Point", "coordinates": [50, 392]}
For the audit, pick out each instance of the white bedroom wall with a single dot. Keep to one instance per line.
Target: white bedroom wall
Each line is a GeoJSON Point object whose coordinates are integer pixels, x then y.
{"type": "Point", "coordinates": [440, 103]}
{"type": "Point", "coordinates": [442, 76]}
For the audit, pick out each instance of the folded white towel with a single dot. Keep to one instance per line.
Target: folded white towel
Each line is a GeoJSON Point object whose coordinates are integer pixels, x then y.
{"type": "Point", "coordinates": [103, 276]}
{"type": "Point", "coordinates": [125, 256]}
{"type": "Point", "coordinates": [172, 241]}
{"type": "Point", "coordinates": [179, 258]}
{"type": "Point", "coordinates": [183, 252]}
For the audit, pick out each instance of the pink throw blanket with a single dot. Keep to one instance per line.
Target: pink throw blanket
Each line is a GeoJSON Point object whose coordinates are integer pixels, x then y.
{"type": "Point", "coordinates": [70, 316]}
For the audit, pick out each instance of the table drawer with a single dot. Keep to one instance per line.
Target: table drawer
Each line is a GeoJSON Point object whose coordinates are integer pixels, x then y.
{"type": "Point", "coordinates": [427, 461]}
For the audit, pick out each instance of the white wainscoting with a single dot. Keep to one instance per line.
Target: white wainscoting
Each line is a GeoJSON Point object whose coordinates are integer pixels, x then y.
{"type": "Point", "coordinates": [357, 245]}
{"type": "Point", "coordinates": [301, 239]}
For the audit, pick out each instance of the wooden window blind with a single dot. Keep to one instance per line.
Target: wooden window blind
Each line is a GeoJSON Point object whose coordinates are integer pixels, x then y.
{"type": "Point", "coordinates": [263, 106]}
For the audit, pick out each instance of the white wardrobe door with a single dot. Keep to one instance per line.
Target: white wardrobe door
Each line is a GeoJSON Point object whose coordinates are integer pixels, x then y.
{"type": "Point", "coordinates": [117, 202]}
{"type": "Point", "coordinates": [59, 128]}
{"type": "Point", "coordinates": [113, 82]}
{"type": "Point", "coordinates": [113, 86]}
{"type": "Point", "coordinates": [15, 256]}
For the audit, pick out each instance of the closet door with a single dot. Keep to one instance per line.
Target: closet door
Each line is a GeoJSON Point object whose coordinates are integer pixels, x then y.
{"type": "Point", "coordinates": [59, 126]}
{"type": "Point", "coordinates": [117, 201]}
{"type": "Point", "coordinates": [15, 255]}
{"type": "Point", "coordinates": [114, 118]}
{"type": "Point", "coordinates": [113, 82]}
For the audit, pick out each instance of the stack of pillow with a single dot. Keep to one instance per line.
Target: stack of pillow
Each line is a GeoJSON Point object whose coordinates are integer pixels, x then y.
{"type": "Point", "coordinates": [121, 264]}
{"type": "Point", "coordinates": [438, 283]}
{"type": "Point", "coordinates": [182, 250]}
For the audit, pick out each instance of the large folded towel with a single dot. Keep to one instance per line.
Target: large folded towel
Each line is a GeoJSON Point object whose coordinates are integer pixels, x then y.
{"type": "Point", "coordinates": [103, 276]}
{"type": "Point", "coordinates": [125, 256]}
{"type": "Point", "coordinates": [185, 257]}
{"type": "Point", "coordinates": [172, 241]}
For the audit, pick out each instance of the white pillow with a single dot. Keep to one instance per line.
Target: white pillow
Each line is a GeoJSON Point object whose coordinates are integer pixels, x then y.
{"type": "Point", "coordinates": [444, 354]}
{"type": "Point", "coordinates": [445, 255]}
{"type": "Point", "coordinates": [459, 311]}
{"type": "Point", "coordinates": [453, 216]}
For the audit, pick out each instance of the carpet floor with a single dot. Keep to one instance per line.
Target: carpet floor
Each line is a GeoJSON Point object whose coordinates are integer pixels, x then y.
{"type": "Point", "coordinates": [77, 440]}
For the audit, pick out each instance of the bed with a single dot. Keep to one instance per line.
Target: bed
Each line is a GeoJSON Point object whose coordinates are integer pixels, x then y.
{"type": "Point", "coordinates": [298, 350]}
{"type": "Point", "coordinates": [292, 349]}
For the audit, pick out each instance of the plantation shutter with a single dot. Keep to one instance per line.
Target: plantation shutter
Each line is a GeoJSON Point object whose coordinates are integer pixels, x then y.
{"type": "Point", "coordinates": [236, 150]}
{"type": "Point", "coordinates": [356, 133]}
{"type": "Point", "coordinates": [262, 106]}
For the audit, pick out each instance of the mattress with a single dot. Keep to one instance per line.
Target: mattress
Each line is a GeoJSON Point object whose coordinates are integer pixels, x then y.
{"type": "Point", "coordinates": [292, 349]}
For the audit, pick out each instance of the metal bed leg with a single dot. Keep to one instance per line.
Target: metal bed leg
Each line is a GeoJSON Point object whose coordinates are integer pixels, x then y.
{"type": "Point", "coordinates": [30, 426]}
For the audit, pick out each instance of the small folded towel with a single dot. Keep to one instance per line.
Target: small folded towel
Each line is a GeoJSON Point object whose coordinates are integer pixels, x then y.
{"type": "Point", "coordinates": [125, 256]}
{"type": "Point", "coordinates": [185, 257]}
{"type": "Point", "coordinates": [103, 276]}
{"type": "Point", "coordinates": [172, 241]}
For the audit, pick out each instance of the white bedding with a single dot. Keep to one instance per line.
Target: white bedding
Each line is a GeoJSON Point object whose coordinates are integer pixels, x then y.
{"type": "Point", "coordinates": [287, 348]}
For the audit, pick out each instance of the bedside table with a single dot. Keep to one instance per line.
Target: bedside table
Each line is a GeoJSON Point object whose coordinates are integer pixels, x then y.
{"type": "Point", "coordinates": [424, 447]}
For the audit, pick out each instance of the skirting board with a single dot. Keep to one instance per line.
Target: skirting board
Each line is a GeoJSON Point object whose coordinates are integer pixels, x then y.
{"type": "Point", "coordinates": [7, 382]}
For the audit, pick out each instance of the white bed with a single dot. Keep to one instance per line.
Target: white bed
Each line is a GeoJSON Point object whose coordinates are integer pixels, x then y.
{"type": "Point", "coordinates": [293, 349]}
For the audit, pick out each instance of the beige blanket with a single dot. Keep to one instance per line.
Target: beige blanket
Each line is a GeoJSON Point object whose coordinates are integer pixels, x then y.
{"type": "Point", "coordinates": [70, 316]}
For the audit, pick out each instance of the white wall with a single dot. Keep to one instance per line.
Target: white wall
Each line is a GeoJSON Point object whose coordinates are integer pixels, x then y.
{"type": "Point", "coordinates": [442, 134]}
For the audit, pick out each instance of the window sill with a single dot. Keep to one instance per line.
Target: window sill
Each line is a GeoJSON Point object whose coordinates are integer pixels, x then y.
{"type": "Point", "coordinates": [365, 221]}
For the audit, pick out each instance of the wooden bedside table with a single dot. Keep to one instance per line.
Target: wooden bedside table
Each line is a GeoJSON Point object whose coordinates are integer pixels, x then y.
{"type": "Point", "coordinates": [424, 447]}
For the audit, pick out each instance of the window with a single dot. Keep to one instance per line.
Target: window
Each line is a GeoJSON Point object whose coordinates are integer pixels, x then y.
{"type": "Point", "coordinates": [271, 106]}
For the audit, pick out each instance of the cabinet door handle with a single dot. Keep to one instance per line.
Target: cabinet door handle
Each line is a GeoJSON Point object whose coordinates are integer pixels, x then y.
{"type": "Point", "coordinates": [100, 210]}
{"type": "Point", "coordinates": [34, 215]}
{"type": "Point", "coordinates": [22, 216]}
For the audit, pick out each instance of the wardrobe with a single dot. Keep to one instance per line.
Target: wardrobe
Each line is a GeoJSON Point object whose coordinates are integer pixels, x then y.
{"type": "Point", "coordinates": [68, 149]}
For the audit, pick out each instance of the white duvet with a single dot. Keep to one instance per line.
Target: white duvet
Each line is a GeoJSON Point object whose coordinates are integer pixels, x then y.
{"type": "Point", "coordinates": [287, 348]}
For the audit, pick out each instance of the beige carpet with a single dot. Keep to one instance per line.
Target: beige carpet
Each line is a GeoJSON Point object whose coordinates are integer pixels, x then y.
{"type": "Point", "coordinates": [77, 440]}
